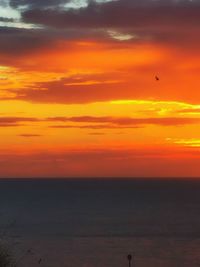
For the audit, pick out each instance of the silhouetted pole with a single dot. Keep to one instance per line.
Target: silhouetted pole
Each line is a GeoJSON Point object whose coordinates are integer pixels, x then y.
{"type": "Point", "coordinates": [129, 257]}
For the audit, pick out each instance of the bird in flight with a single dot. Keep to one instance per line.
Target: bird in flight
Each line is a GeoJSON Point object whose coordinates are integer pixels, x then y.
{"type": "Point", "coordinates": [157, 78]}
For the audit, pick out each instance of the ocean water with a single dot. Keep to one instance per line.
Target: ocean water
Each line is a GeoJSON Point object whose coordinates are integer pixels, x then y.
{"type": "Point", "coordinates": [97, 222]}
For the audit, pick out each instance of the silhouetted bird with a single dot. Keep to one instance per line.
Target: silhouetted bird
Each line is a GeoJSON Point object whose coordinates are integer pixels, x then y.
{"type": "Point", "coordinates": [40, 260]}
{"type": "Point", "coordinates": [157, 78]}
{"type": "Point", "coordinates": [29, 251]}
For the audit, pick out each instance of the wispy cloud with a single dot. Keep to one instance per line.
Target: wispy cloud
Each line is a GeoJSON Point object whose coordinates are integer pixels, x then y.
{"type": "Point", "coordinates": [29, 135]}
{"type": "Point", "coordinates": [91, 122]}
{"type": "Point", "coordinates": [189, 111]}
{"type": "Point", "coordinates": [15, 121]}
{"type": "Point", "coordinates": [126, 121]}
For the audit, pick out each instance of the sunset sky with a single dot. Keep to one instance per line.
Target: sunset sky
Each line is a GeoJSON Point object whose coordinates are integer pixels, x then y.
{"type": "Point", "coordinates": [78, 89]}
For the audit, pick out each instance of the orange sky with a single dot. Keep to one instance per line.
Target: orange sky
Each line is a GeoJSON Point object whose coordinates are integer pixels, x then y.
{"type": "Point", "coordinates": [91, 106]}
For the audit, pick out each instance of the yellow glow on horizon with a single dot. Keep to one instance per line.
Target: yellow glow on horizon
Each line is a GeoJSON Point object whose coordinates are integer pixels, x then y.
{"type": "Point", "coordinates": [188, 142]}
{"type": "Point", "coordinates": [139, 108]}
{"type": "Point", "coordinates": [101, 98]}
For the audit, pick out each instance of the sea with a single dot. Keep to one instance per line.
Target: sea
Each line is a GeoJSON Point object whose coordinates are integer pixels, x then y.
{"type": "Point", "coordinates": [97, 222]}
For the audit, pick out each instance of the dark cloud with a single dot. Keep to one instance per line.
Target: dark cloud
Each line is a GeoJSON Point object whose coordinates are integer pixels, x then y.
{"type": "Point", "coordinates": [36, 3]}
{"type": "Point", "coordinates": [17, 41]}
{"type": "Point", "coordinates": [120, 14]}
{"type": "Point", "coordinates": [156, 21]}
{"type": "Point", "coordinates": [150, 21]}
{"type": "Point", "coordinates": [4, 19]}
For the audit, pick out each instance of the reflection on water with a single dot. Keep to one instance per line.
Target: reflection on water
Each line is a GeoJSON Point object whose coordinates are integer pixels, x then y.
{"type": "Point", "coordinates": [97, 223]}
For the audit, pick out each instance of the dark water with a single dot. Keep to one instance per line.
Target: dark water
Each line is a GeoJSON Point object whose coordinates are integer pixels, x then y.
{"type": "Point", "coordinates": [98, 222]}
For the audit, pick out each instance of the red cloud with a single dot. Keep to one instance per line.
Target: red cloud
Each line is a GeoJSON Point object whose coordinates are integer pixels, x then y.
{"type": "Point", "coordinates": [121, 122]}
{"type": "Point", "coordinates": [15, 121]}
{"type": "Point", "coordinates": [91, 122]}
{"type": "Point", "coordinates": [30, 135]}
{"type": "Point", "coordinates": [95, 88]}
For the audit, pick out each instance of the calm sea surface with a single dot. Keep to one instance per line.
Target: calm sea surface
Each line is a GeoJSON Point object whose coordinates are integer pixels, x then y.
{"type": "Point", "coordinates": [96, 223]}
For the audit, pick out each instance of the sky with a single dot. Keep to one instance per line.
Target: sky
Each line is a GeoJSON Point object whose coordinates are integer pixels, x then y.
{"type": "Point", "coordinates": [99, 88]}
